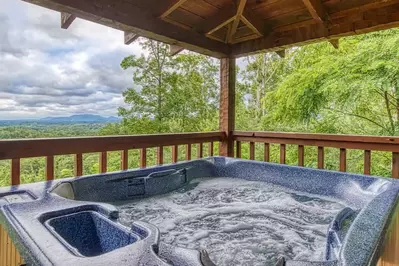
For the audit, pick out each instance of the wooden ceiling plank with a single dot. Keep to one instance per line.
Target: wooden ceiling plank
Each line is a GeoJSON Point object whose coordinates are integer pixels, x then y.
{"type": "Point", "coordinates": [175, 6]}
{"type": "Point", "coordinates": [224, 23]}
{"type": "Point", "coordinates": [126, 16]}
{"type": "Point", "coordinates": [175, 49]}
{"type": "Point", "coordinates": [66, 20]}
{"type": "Point", "coordinates": [255, 24]}
{"type": "Point", "coordinates": [237, 19]}
{"type": "Point", "coordinates": [316, 9]}
{"type": "Point", "coordinates": [130, 37]}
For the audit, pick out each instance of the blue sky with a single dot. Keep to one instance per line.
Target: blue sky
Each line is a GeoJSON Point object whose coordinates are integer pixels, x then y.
{"type": "Point", "coordinates": [49, 71]}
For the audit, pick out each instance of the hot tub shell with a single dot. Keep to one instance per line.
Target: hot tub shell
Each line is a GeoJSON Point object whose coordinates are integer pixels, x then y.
{"type": "Point", "coordinates": [29, 214]}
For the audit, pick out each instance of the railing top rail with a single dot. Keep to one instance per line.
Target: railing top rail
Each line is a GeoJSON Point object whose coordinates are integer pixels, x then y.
{"type": "Point", "coordinates": [25, 148]}
{"type": "Point", "coordinates": [318, 137]}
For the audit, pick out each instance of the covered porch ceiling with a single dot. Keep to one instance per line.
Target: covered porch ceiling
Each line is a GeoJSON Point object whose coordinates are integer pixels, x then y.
{"type": "Point", "coordinates": [233, 28]}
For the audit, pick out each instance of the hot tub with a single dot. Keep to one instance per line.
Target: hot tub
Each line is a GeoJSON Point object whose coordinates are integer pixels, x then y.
{"type": "Point", "coordinates": [214, 211]}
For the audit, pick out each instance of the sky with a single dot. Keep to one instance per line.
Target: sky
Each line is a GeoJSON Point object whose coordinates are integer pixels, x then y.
{"type": "Point", "coordinates": [49, 71]}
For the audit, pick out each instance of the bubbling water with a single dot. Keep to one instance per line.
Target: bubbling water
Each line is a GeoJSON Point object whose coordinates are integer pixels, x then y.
{"type": "Point", "coordinates": [238, 222]}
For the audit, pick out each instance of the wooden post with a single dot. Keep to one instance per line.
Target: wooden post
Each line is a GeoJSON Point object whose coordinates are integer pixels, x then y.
{"type": "Point", "coordinates": [227, 104]}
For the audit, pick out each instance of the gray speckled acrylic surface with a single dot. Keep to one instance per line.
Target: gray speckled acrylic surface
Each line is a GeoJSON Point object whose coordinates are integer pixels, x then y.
{"type": "Point", "coordinates": [82, 229]}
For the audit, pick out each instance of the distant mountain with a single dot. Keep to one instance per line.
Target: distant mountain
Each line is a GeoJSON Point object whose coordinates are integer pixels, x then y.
{"type": "Point", "coordinates": [83, 118]}
{"type": "Point", "coordinates": [73, 119]}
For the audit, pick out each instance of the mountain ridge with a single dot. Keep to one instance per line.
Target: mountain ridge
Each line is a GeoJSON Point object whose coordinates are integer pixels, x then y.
{"type": "Point", "coordinates": [72, 119]}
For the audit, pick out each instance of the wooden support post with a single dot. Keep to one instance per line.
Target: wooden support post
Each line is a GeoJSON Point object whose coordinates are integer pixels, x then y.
{"type": "Point", "coordinates": [66, 20]}
{"type": "Point", "coordinates": [78, 164]}
{"type": "Point", "coordinates": [210, 149]}
{"type": "Point", "coordinates": [188, 152]}
{"type": "Point", "coordinates": [15, 172]}
{"type": "Point", "coordinates": [50, 167]}
{"type": "Point", "coordinates": [238, 151]}
{"type": "Point", "coordinates": [227, 104]}
{"type": "Point", "coordinates": [320, 157]}
{"type": "Point", "coordinates": [301, 155]}
{"type": "Point", "coordinates": [367, 162]}
{"type": "Point", "coordinates": [267, 153]}
{"type": "Point", "coordinates": [282, 153]}
{"type": "Point", "coordinates": [342, 160]}
{"type": "Point", "coordinates": [125, 159]}
{"type": "Point", "coordinates": [395, 164]}
{"type": "Point", "coordinates": [103, 162]}
{"type": "Point", "coordinates": [143, 158]}
{"type": "Point", "coordinates": [175, 153]}
{"type": "Point", "coordinates": [252, 150]}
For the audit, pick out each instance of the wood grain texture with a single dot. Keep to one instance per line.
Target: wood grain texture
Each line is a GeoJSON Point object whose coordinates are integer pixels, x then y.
{"type": "Point", "coordinates": [9, 255]}
{"type": "Point", "coordinates": [160, 155]}
{"type": "Point", "coordinates": [25, 148]}
{"type": "Point", "coordinates": [210, 149]}
{"type": "Point", "coordinates": [301, 155]}
{"type": "Point", "coordinates": [188, 152]}
{"type": "Point", "coordinates": [200, 150]}
{"type": "Point", "coordinates": [367, 162]}
{"type": "Point", "coordinates": [316, 9]}
{"type": "Point", "coordinates": [320, 157]}
{"type": "Point", "coordinates": [124, 159]}
{"type": "Point", "coordinates": [78, 168]}
{"type": "Point", "coordinates": [15, 172]}
{"type": "Point", "coordinates": [50, 167]}
{"type": "Point", "coordinates": [238, 149]}
{"type": "Point", "coordinates": [252, 150]}
{"type": "Point", "coordinates": [342, 160]}
{"type": "Point", "coordinates": [227, 105]}
{"type": "Point", "coordinates": [282, 153]}
{"type": "Point", "coordinates": [395, 164]}
{"type": "Point", "coordinates": [175, 154]}
{"type": "Point", "coordinates": [103, 162]}
{"type": "Point", "coordinates": [266, 152]}
{"type": "Point", "coordinates": [143, 158]}
{"type": "Point", "coordinates": [390, 254]}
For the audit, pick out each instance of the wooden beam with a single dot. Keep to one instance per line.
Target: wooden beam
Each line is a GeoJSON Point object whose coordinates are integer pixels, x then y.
{"type": "Point", "coordinates": [66, 20]}
{"type": "Point", "coordinates": [335, 43]}
{"type": "Point", "coordinates": [254, 23]}
{"type": "Point", "coordinates": [237, 19]}
{"type": "Point", "coordinates": [172, 8]}
{"type": "Point", "coordinates": [136, 17]}
{"type": "Point", "coordinates": [367, 21]}
{"type": "Point", "coordinates": [175, 49]}
{"type": "Point", "coordinates": [223, 17]}
{"type": "Point", "coordinates": [281, 53]}
{"type": "Point", "coordinates": [130, 37]}
{"type": "Point", "coordinates": [316, 9]}
{"type": "Point", "coordinates": [227, 104]}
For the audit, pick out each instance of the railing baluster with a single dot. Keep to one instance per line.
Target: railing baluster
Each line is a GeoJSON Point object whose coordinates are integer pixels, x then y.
{"type": "Point", "coordinates": [301, 155]}
{"type": "Point", "coordinates": [175, 152]}
{"type": "Point", "coordinates": [266, 152]}
{"type": "Point", "coordinates": [188, 152]}
{"type": "Point", "coordinates": [252, 150]}
{"type": "Point", "coordinates": [200, 150]}
{"type": "Point", "coordinates": [103, 162]}
{"type": "Point", "coordinates": [320, 157]}
{"type": "Point", "coordinates": [367, 162]}
{"type": "Point", "coordinates": [395, 164]}
{"type": "Point", "coordinates": [282, 153]}
{"type": "Point", "coordinates": [342, 160]}
{"type": "Point", "coordinates": [238, 151]}
{"type": "Point", "coordinates": [210, 149]}
{"type": "Point", "coordinates": [15, 172]}
{"type": "Point", "coordinates": [160, 155]}
{"type": "Point", "coordinates": [78, 164]}
{"type": "Point", "coordinates": [143, 158]}
{"type": "Point", "coordinates": [50, 167]}
{"type": "Point", "coordinates": [125, 159]}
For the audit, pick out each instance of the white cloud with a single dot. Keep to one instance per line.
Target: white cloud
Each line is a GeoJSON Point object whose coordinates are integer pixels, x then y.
{"type": "Point", "coordinates": [49, 71]}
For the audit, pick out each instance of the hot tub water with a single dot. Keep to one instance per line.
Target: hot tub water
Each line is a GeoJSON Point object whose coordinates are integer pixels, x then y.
{"type": "Point", "coordinates": [238, 222]}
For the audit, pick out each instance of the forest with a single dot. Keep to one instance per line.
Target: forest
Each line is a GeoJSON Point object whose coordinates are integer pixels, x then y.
{"type": "Point", "coordinates": [314, 88]}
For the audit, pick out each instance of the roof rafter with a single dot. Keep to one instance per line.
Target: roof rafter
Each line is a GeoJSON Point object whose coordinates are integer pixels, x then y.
{"type": "Point", "coordinates": [316, 9]}
{"type": "Point", "coordinates": [66, 20]}
{"type": "Point", "coordinates": [236, 21]}
{"type": "Point", "coordinates": [172, 8]}
{"type": "Point", "coordinates": [128, 16]}
{"type": "Point", "coordinates": [334, 43]}
{"type": "Point", "coordinates": [255, 24]}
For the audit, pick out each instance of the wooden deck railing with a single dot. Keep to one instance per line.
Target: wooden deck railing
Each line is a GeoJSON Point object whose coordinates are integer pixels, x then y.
{"type": "Point", "coordinates": [14, 150]}
{"type": "Point", "coordinates": [321, 141]}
